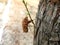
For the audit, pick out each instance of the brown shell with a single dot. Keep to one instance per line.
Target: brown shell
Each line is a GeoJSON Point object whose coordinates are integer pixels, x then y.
{"type": "Point", "coordinates": [25, 24]}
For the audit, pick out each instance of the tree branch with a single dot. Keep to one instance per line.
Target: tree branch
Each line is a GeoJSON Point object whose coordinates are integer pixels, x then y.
{"type": "Point", "coordinates": [28, 12]}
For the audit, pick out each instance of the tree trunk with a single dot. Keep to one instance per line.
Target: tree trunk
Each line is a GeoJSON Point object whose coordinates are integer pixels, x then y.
{"type": "Point", "coordinates": [47, 27]}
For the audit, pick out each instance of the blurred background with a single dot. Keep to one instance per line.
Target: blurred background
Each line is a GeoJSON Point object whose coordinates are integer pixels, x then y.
{"type": "Point", "coordinates": [12, 12]}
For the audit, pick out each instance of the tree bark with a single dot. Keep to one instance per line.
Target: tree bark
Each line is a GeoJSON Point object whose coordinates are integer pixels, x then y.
{"type": "Point", "coordinates": [47, 26]}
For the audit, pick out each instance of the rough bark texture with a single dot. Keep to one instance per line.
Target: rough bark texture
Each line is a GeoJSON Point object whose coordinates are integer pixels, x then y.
{"type": "Point", "coordinates": [47, 30]}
